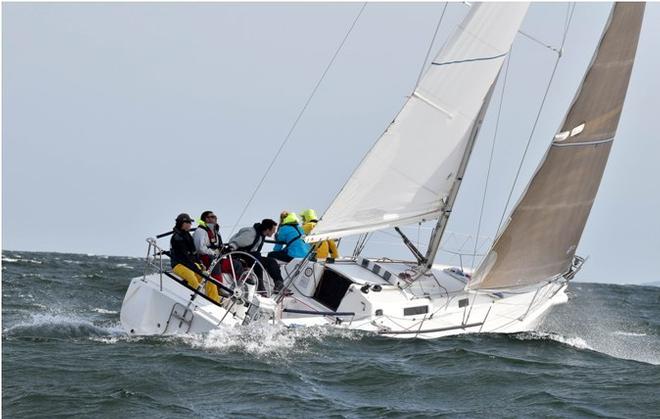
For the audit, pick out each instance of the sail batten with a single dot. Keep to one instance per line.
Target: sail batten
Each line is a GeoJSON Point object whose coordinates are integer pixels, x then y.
{"type": "Point", "coordinates": [542, 234]}
{"type": "Point", "coordinates": [409, 173]}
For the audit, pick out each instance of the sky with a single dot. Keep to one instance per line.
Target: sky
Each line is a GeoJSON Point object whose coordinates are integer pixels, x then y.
{"type": "Point", "coordinates": [116, 117]}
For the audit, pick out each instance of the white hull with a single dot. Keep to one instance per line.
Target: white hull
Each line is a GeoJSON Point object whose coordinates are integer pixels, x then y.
{"type": "Point", "coordinates": [157, 305]}
{"type": "Point", "coordinates": [334, 295]}
{"type": "Point", "coordinates": [433, 306]}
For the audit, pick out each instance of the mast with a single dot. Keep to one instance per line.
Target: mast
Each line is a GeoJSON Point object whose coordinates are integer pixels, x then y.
{"type": "Point", "coordinates": [438, 231]}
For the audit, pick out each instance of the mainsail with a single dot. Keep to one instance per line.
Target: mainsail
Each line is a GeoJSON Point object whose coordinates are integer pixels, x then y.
{"type": "Point", "coordinates": [544, 229]}
{"type": "Point", "coordinates": [408, 174]}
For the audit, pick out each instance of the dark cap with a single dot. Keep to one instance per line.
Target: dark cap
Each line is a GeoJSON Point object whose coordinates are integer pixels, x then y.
{"type": "Point", "coordinates": [183, 218]}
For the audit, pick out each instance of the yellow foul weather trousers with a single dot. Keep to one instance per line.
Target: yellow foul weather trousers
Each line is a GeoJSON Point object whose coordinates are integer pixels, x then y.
{"type": "Point", "coordinates": [194, 280]}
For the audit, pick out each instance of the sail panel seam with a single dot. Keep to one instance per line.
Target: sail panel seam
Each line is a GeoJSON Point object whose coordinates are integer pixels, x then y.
{"type": "Point", "coordinates": [583, 143]}
{"type": "Point", "coordinates": [469, 60]}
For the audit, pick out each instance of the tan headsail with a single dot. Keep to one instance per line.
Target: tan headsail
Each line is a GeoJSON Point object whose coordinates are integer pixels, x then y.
{"type": "Point", "coordinates": [544, 229]}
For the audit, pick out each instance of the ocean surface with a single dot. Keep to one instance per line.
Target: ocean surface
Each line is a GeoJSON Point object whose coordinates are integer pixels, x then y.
{"type": "Point", "coordinates": [64, 354]}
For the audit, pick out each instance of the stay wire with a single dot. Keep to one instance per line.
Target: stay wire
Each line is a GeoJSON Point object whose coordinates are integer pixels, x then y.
{"type": "Point", "coordinates": [538, 41]}
{"type": "Point", "coordinates": [490, 161]}
{"type": "Point", "coordinates": [569, 12]}
{"type": "Point", "coordinates": [428, 52]}
{"type": "Point", "coordinates": [300, 114]}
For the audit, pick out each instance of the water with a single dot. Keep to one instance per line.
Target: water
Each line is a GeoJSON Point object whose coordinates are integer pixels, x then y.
{"type": "Point", "coordinates": [65, 354]}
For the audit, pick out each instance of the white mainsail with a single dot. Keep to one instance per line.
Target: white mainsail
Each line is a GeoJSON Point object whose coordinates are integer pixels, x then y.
{"type": "Point", "coordinates": [408, 174]}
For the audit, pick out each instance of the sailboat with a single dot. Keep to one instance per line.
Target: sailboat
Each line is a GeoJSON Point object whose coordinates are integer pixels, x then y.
{"type": "Point", "coordinates": [413, 174]}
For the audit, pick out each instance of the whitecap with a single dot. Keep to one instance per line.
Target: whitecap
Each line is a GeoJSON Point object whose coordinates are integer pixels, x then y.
{"type": "Point", "coordinates": [18, 259]}
{"type": "Point", "coordinates": [31, 275]}
{"type": "Point", "coordinates": [606, 343]}
{"type": "Point", "coordinates": [262, 338]}
{"type": "Point", "coordinates": [104, 311]}
{"type": "Point", "coordinates": [60, 325]}
{"type": "Point", "coordinates": [622, 333]}
{"type": "Point", "coordinates": [574, 341]}
{"type": "Point", "coordinates": [92, 255]}
{"type": "Point", "coordinates": [110, 340]}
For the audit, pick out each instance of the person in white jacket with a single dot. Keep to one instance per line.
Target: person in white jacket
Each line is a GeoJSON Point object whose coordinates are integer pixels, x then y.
{"type": "Point", "coordinates": [207, 238]}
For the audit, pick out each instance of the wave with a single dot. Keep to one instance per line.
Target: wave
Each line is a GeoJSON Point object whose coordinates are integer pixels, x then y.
{"type": "Point", "coordinates": [258, 339]}
{"type": "Point", "coordinates": [616, 346]}
{"type": "Point", "coordinates": [262, 338]}
{"type": "Point", "coordinates": [45, 326]}
{"type": "Point", "coordinates": [622, 333]}
{"type": "Point", "coordinates": [19, 259]}
{"type": "Point", "coordinates": [104, 311]}
{"type": "Point", "coordinates": [573, 341]}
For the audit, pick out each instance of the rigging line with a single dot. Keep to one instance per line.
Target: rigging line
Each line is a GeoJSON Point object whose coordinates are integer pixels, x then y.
{"type": "Point", "coordinates": [366, 239]}
{"type": "Point", "coordinates": [428, 52]}
{"type": "Point", "coordinates": [567, 20]}
{"type": "Point", "coordinates": [538, 115]}
{"type": "Point", "coordinates": [492, 152]}
{"type": "Point", "coordinates": [538, 41]}
{"type": "Point", "coordinates": [300, 114]}
{"type": "Point", "coordinates": [550, 47]}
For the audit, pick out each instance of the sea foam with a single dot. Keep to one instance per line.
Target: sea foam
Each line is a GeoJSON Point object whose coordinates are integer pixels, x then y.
{"type": "Point", "coordinates": [50, 325]}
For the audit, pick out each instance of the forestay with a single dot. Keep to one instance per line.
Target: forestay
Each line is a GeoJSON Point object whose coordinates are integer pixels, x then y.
{"type": "Point", "coordinates": [407, 175]}
{"type": "Point", "coordinates": [544, 229]}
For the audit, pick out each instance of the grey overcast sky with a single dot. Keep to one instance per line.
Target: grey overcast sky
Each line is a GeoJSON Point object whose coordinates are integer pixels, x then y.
{"type": "Point", "coordinates": [117, 116]}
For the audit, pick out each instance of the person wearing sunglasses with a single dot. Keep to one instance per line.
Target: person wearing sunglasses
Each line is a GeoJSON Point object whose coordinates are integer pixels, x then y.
{"type": "Point", "coordinates": [184, 259]}
{"type": "Point", "coordinates": [207, 238]}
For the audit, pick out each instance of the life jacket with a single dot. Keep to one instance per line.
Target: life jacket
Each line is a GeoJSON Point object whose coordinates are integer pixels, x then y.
{"type": "Point", "coordinates": [214, 240]}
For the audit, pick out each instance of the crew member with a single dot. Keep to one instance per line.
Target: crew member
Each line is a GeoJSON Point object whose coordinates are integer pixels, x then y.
{"type": "Point", "coordinates": [207, 245]}
{"type": "Point", "coordinates": [183, 257]}
{"type": "Point", "coordinates": [207, 238]}
{"type": "Point", "coordinates": [322, 248]}
{"type": "Point", "coordinates": [289, 238]}
{"type": "Point", "coordinates": [251, 240]}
